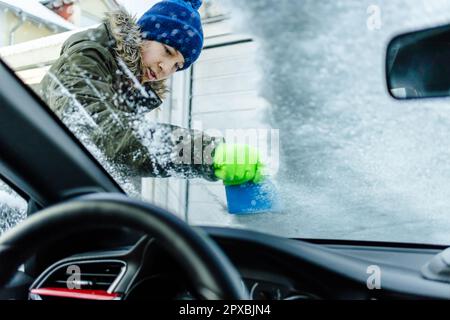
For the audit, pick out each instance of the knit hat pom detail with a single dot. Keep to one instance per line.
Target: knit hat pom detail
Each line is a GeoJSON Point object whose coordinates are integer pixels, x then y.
{"type": "Point", "coordinates": [196, 4]}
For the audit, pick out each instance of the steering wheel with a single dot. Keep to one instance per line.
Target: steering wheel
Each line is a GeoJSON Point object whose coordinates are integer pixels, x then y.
{"type": "Point", "coordinates": [210, 271]}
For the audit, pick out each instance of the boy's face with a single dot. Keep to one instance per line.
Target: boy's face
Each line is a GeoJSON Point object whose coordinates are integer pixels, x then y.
{"type": "Point", "coordinates": [159, 61]}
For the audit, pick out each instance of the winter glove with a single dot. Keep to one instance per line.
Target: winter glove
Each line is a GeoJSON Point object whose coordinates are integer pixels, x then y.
{"type": "Point", "coordinates": [237, 163]}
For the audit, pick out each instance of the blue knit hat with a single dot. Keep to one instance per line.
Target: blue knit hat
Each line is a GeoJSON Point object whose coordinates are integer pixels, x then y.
{"type": "Point", "coordinates": [176, 23]}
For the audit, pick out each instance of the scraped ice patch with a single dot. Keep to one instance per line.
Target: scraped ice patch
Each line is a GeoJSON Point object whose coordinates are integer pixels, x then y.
{"type": "Point", "coordinates": [157, 139]}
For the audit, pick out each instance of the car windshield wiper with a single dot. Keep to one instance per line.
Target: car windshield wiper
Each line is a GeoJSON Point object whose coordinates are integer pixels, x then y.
{"type": "Point", "coordinates": [438, 268]}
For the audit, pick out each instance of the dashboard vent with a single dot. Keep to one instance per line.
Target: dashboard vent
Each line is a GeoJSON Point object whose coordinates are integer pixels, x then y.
{"type": "Point", "coordinates": [85, 276]}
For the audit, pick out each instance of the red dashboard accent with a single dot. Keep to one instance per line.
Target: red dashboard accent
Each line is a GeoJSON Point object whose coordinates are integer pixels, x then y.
{"type": "Point", "coordinates": [76, 293]}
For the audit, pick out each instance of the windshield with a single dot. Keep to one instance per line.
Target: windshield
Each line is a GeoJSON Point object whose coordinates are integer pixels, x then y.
{"type": "Point", "coordinates": [301, 82]}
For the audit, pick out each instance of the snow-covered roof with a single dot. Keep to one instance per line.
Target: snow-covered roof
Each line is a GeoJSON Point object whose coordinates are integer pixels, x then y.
{"type": "Point", "coordinates": [37, 12]}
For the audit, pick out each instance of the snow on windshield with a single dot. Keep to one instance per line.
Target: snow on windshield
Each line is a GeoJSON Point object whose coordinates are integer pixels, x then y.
{"type": "Point", "coordinates": [13, 208]}
{"type": "Point", "coordinates": [355, 163]}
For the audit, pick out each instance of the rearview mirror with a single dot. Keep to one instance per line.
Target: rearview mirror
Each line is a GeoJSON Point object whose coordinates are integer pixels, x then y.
{"type": "Point", "coordinates": [418, 64]}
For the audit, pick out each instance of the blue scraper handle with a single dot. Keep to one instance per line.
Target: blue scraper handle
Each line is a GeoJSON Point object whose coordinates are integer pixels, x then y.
{"type": "Point", "coordinates": [251, 198]}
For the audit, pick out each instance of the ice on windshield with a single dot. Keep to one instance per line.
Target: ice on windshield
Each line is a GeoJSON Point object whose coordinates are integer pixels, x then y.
{"type": "Point", "coordinates": [13, 209]}
{"type": "Point", "coordinates": [355, 163]}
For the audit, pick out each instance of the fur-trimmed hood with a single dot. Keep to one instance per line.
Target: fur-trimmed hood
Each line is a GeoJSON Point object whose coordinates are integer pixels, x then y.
{"type": "Point", "coordinates": [128, 42]}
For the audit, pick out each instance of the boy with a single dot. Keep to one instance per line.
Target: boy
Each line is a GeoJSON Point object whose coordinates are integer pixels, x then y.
{"type": "Point", "coordinates": [113, 75]}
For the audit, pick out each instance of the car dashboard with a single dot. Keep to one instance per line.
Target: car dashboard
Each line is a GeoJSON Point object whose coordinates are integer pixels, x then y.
{"type": "Point", "coordinates": [271, 268]}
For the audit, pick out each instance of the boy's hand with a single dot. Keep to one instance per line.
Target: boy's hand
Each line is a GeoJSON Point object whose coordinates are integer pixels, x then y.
{"type": "Point", "coordinates": [237, 163]}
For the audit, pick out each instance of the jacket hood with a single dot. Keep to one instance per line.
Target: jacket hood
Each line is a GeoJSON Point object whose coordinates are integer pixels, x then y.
{"type": "Point", "coordinates": [127, 35]}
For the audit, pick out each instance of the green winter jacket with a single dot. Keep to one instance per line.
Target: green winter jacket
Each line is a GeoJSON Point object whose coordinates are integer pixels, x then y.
{"type": "Point", "coordinates": [95, 87]}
